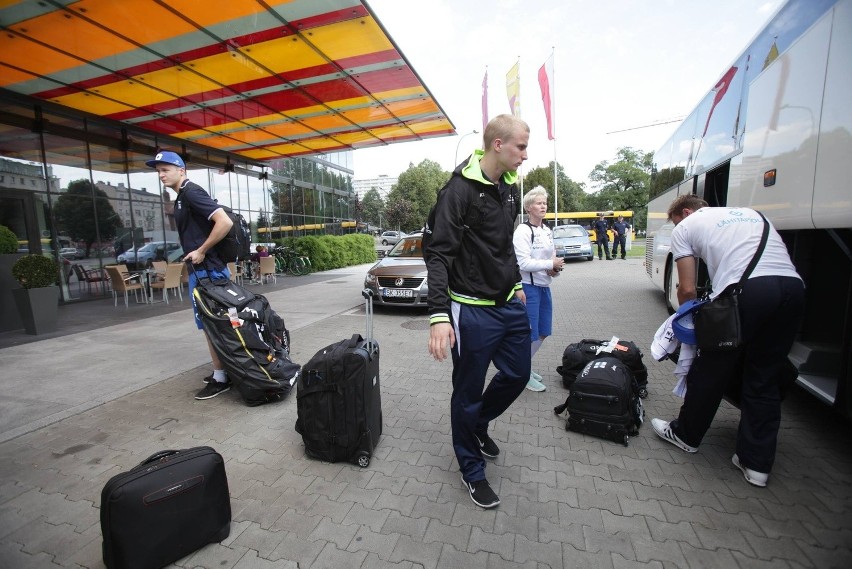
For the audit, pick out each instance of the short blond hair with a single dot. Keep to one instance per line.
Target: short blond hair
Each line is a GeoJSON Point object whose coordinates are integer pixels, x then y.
{"type": "Point", "coordinates": [503, 127]}
{"type": "Point", "coordinates": [533, 195]}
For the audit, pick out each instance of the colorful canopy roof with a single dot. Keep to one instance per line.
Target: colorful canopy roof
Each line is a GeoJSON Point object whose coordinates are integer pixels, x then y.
{"type": "Point", "coordinates": [263, 79]}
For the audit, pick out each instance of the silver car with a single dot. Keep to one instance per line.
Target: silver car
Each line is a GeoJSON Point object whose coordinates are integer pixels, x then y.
{"type": "Point", "coordinates": [399, 279]}
{"type": "Point", "coordinates": [572, 242]}
{"type": "Point", "coordinates": [391, 237]}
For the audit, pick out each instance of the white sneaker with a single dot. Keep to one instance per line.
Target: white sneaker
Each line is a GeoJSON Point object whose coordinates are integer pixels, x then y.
{"type": "Point", "coordinates": [664, 431]}
{"type": "Point", "coordinates": [753, 477]}
{"type": "Point", "coordinates": [535, 385]}
{"type": "Point", "coordinates": [535, 375]}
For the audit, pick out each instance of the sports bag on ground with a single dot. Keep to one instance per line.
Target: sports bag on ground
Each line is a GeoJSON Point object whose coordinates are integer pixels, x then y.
{"type": "Point", "coordinates": [250, 339]}
{"type": "Point", "coordinates": [338, 401]}
{"type": "Point", "coordinates": [604, 401]}
{"type": "Point", "coordinates": [171, 504]}
{"type": "Point", "coordinates": [577, 355]}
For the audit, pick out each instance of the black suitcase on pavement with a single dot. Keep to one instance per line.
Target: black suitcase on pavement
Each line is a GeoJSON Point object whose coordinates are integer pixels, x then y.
{"type": "Point", "coordinates": [338, 400]}
{"type": "Point", "coordinates": [577, 355]}
{"type": "Point", "coordinates": [171, 504]}
{"type": "Point", "coordinates": [604, 401]}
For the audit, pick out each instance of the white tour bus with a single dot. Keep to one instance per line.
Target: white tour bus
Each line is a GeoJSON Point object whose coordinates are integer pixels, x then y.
{"type": "Point", "coordinates": [775, 134]}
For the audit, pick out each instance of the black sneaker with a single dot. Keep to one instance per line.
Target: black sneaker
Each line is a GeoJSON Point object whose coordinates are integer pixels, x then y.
{"type": "Point", "coordinates": [482, 494]}
{"type": "Point", "coordinates": [208, 379]}
{"type": "Point", "coordinates": [488, 447]}
{"type": "Point", "coordinates": [213, 389]}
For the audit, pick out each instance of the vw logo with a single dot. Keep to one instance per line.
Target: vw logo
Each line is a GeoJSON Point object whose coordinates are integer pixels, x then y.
{"type": "Point", "coordinates": [399, 281]}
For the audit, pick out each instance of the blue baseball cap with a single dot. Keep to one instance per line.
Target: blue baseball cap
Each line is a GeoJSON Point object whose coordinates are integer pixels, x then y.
{"type": "Point", "coordinates": [166, 157]}
{"type": "Point", "coordinates": [682, 324]}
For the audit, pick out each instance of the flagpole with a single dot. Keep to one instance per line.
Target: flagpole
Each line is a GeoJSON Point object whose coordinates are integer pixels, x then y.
{"type": "Point", "coordinates": [555, 179]}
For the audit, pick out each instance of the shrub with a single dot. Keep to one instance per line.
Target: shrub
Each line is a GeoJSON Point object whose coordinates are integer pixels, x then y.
{"type": "Point", "coordinates": [35, 271]}
{"type": "Point", "coordinates": [8, 240]}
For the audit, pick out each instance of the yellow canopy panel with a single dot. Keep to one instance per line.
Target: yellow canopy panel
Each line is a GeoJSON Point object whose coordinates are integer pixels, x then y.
{"type": "Point", "coordinates": [261, 79]}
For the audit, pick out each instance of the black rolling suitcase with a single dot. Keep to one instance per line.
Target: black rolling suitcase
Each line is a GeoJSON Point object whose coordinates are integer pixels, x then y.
{"type": "Point", "coordinates": [338, 401]}
{"type": "Point", "coordinates": [604, 401]}
{"type": "Point", "coordinates": [250, 339]}
{"type": "Point", "coordinates": [168, 506]}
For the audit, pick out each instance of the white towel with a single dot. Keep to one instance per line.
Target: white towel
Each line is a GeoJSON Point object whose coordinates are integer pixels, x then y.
{"type": "Point", "coordinates": [664, 345]}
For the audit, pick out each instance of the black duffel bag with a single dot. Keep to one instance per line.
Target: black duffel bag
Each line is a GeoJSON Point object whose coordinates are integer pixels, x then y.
{"type": "Point", "coordinates": [577, 355]}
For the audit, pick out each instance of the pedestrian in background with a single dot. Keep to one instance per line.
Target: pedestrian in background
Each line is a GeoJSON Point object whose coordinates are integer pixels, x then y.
{"type": "Point", "coordinates": [476, 301]}
{"type": "Point", "coordinates": [771, 306]}
{"type": "Point", "coordinates": [538, 262]}
{"type": "Point", "coordinates": [201, 224]}
{"type": "Point", "coordinates": [601, 237]}
{"type": "Point", "coordinates": [620, 229]}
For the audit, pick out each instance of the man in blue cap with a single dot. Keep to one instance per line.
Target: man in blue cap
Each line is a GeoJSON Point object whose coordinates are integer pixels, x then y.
{"type": "Point", "coordinates": [201, 224]}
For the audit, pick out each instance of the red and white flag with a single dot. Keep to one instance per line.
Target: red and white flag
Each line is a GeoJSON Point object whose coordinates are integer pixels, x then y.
{"type": "Point", "coordinates": [545, 81]}
{"type": "Point", "coordinates": [485, 100]}
{"type": "Point", "coordinates": [721, 88]}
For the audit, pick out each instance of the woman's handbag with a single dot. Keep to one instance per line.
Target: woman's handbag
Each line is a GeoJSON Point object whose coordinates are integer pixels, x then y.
{"type": "Point", "coordinates": [717, 323]}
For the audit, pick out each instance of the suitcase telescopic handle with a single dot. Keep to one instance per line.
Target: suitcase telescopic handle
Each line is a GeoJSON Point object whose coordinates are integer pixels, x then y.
{"type": "Point", "coordinates": [368, 308]}
{"type": "Point", "coordinates": [158, 456]}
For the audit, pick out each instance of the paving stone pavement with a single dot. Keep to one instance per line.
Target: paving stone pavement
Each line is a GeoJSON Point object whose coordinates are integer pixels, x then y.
{"type": "Point", "coordinates": [567, 500]}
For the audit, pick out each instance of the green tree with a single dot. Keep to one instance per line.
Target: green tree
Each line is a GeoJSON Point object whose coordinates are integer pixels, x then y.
{"type": "Point", "coordinates": [374, 207]}
{"type": "Point", "coordinates": [418, 187]}
{"type": "Point", "coordinates": [624, 184]}
{"type": "Point", "coordinates": [571, 193]}
{"type": "Point", "coordinates": [85, 213]}
{"type": "Point", "coordinates": [398, 213]}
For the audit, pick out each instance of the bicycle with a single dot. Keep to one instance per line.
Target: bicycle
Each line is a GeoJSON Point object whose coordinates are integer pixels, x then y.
{"type": "Point", "coordinates": [287, 260]}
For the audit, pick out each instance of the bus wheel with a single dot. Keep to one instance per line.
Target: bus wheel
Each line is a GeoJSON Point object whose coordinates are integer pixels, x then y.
{"type": "Point", "coordinates": [671, 287]}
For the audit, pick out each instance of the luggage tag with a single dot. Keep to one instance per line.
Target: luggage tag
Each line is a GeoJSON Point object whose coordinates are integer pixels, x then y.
{"type": "Point", "coordinates": [607, 347]}
{"type": "Point", "coordinates": [234, 316]}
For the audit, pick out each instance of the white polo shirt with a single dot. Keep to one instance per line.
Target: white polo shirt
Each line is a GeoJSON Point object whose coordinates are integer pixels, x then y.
{"type": "Point", "coordinates": [726, 238]}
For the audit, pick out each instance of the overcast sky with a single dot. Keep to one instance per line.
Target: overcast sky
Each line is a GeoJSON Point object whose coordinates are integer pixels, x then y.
{"type": "Point", "coordinates": [620, 64]}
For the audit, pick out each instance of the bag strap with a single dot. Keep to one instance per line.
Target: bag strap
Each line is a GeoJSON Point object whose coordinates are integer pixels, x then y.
{"type": "Point", "coordinates": [760, 247]}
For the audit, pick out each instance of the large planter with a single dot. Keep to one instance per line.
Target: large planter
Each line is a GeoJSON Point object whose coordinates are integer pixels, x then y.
{"type": "Point", "coordinates": [9, 318]}
{"type": "Point", "coordinates": [38, 308]}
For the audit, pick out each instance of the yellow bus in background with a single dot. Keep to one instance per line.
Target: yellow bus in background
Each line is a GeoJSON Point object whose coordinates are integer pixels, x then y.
{"type": "Point", "coordinates": [588, 218]}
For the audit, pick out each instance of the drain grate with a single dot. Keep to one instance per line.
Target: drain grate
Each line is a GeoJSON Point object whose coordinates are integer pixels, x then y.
{"type": "Point", "coordinates": [416, 325]}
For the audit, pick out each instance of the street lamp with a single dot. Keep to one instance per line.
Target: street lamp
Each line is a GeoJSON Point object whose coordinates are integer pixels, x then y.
{"type": "Point", "coordinates": [459, 144]}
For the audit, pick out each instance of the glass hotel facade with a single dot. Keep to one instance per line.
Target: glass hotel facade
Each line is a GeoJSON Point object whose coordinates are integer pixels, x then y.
{"type": "Point", "coordinates": [120, 203]}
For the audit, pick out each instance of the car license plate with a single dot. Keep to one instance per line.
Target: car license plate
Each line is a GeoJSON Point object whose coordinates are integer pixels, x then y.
{"type": "Point", "coordinates": [398, 293]}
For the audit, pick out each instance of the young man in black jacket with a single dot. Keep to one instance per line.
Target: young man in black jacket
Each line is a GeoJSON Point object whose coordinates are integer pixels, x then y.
{"type": "Point", "coordinates": [476, 301]}
{"type": "Point", "coordinates": [201, 224]}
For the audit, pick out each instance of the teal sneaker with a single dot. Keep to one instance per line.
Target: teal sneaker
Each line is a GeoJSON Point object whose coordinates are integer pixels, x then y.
{"type": "Point", "coordinates": [535, 385]}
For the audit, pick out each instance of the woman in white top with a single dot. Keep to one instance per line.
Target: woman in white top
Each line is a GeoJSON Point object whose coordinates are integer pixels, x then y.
{"type": "Point", "coordinates": [539, 264]}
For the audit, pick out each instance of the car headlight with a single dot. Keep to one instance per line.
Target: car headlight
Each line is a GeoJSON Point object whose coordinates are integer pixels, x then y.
{"type": "Point", "coordinates": [370, 278]}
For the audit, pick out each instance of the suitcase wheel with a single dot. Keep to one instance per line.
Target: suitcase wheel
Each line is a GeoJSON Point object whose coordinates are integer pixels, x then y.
{"type": "Point", "coordinates": [363, 460]}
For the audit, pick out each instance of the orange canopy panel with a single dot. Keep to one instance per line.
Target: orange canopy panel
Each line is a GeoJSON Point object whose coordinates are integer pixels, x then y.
{"type": "Point", "coordinates": [262, 79]}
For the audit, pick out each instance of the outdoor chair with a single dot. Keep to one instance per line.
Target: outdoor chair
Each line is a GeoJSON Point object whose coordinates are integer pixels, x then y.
{"type": "Point", "coordinates": [236, 272]}
{"type": "Point", "coordinates": [159, 269]}
{"type": "Point", "coordinates": [267, 269]}
{"type": "Point", "coordinates": [88, 276]}
{"type": "Point", "coordinates": [171, 281]}
{"type": "Point", "coordinates": [120, 284]}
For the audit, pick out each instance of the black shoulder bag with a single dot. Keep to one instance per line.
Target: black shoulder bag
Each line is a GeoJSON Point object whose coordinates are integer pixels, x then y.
{"type": "Point", "coordinates": [717, 323]}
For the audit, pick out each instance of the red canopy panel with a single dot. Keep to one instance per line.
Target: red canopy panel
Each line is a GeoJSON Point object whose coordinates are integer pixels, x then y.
{"type": "Point", "coordinates": [262, 80]}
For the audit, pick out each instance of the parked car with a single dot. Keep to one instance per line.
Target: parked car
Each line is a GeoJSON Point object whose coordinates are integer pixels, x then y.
{"type": "Point", "coordinates": [572, 242]}
{"type": "Point", "coordinates": [71, 253]}
{"type": "Point", "coordinates": [399, 278]}
{"type": "Point", "coordinates": [144, 257]}
{"type": "Point", "coordinates": [391, 237]}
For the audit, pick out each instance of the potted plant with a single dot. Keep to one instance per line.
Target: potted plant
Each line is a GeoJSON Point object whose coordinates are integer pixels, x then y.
{"type": "Point", "coordinates": [9, 319]}
{"type": "Point", "coordinates": [38, 298]}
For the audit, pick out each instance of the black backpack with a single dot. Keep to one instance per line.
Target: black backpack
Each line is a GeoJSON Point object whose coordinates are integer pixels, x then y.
{"type": "Point", "coordinates": [236, 245]}
{"type": "Point", "coordinates": [604, 401]}
{"type": "Point", "coordinates": [577, 355]}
